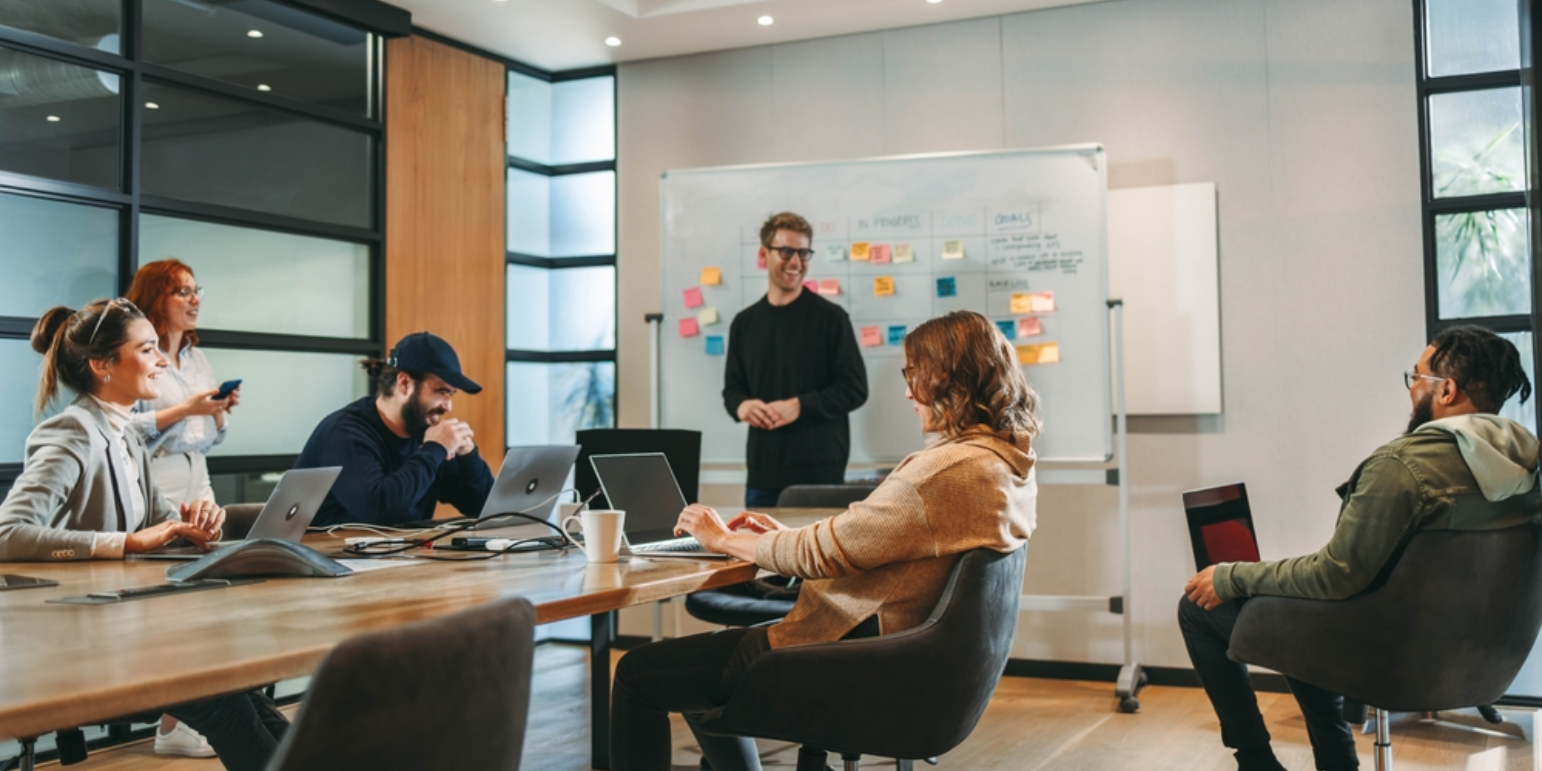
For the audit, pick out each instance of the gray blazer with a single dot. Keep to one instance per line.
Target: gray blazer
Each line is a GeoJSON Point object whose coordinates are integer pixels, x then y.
{"type": "Point", "coordinates": [72, 487]}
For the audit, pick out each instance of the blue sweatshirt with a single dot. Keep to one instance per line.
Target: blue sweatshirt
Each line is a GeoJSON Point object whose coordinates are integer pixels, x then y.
{"type": "Point", "coordinates": [388, 479]}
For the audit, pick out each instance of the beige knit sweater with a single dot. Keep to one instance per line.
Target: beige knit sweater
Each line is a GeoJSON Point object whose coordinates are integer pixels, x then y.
{"type": "Point", "coordinates": [891, 553]}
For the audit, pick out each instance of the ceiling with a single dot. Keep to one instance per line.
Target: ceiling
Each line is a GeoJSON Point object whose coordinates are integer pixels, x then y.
{"type": "Point", "coordinates": [569, 34]}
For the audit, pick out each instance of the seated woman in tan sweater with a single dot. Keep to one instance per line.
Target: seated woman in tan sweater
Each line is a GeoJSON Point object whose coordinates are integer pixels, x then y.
{"type": "Point", "coordinates": [876, 568]}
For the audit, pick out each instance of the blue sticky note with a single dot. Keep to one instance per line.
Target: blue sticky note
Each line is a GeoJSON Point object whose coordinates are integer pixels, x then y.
{"type": "Point", "coordinates": [714, 345]}
{"type": "Point", "coordinates": [947, 286]}
{"type": "Point", "coordinates": [1008, 328]}
{"type": "Point", "coordinates": [897, 334]}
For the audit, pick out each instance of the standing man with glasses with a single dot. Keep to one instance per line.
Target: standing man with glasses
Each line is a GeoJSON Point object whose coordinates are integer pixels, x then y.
{"type": "Point", "coordinates": [1460, 466]}
{"type": "Point", "coordinates": [794, 372]}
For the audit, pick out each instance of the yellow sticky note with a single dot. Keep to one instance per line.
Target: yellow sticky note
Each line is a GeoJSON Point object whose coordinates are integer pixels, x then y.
{"type": "Point", "coordinates": [883, 286]}
{"type": "Point", "coordinates": [903, 253]}
{"type": "Point", "coordinates": [707, 316]}
{"type": "Point", "coordinates": [711, 276]}
{"type": "Point", "coordinates": [953, 250]}
{"type": "Point", "coordinates": [1041, 353]}
{"type": "Point", "coordinates": [1049, 353]}
{"type": "Point", "coordinates": [859, 250]}
{"type": "Point", "coordinates": [1022, 302]}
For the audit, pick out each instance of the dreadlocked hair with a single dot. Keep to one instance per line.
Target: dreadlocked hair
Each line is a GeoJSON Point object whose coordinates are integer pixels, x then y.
{"type": "Point", "coordinates": [1484, 365]}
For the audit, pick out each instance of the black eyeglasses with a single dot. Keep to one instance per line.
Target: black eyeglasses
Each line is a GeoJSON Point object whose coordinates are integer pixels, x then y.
{"type": "Point", "coordinates": [116, 302]}
{"type": "Point", "coordinates": [788, 252]}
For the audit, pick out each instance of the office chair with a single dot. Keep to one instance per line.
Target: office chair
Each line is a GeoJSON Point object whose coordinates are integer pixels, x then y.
{"type": "Point", "coordinates": [1449, 628]}
{"type": "Point", "coordinates": [239, 518]}
{"type": "Point", "coordinates": [912, 694]}
{"type": "Point", "coordinates": [450, 692]}
{"type": "Point", "coordinates": [681, 447]}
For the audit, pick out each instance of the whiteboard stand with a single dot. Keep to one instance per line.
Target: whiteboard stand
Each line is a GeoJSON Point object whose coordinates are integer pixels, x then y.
{"type": "Point", "coordinates": [655, 322]}
{"type": "Point", "coordinates": [1131, 677]}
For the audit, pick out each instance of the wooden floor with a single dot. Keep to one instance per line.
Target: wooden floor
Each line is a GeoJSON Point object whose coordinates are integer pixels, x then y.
{"type": "Point", "coordinates": [1031, 725]}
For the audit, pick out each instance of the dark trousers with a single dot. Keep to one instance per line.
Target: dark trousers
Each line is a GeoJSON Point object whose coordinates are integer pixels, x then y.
{"type": "Point", "coordinates": [243, 728]}
{"type": "Point", "coordinates": [1207, 634]}
{"type": "Point", "coordinates": [688, 675]}
{"type": "Point", "coordinates": [761, 497]}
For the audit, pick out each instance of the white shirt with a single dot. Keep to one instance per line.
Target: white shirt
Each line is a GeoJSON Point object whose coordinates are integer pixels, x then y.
{"type": "Point", "coordinates": [198, 433]}
{"type": "Point", "coordinates": [110, 545]}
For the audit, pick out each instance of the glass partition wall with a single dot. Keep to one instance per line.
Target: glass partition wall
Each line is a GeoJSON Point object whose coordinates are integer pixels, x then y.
{"type": "Point", "coordinates": [241, 138]}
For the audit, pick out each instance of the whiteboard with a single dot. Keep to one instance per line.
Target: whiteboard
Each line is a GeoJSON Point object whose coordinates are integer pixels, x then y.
{"type": "Point", "coordinates": [1028, 221]}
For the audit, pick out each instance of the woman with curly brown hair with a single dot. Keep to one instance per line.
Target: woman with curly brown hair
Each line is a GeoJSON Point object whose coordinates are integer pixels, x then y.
{"type": "Point", "coordinates": [876, 568]}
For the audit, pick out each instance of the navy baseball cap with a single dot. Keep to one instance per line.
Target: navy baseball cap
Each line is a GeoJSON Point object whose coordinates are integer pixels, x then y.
{"type": "Point", "coordinates": [422, 352]}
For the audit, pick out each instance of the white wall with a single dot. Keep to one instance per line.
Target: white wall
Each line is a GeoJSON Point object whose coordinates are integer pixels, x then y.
{"type": "Point", "coordinates": [1302, 112]}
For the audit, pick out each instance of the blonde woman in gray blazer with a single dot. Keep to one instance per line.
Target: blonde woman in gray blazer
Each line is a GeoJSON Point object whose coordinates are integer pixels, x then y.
{"type": "Point", "coordinates": [85, 491]}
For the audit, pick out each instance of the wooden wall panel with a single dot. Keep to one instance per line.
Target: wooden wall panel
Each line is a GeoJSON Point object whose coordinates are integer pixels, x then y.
{"type": "Point", "coordinates": [444, 229]}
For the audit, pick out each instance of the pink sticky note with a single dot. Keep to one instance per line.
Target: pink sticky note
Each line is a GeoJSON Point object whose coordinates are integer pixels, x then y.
{"type": "Point", "coordinates": [881, 254]}
{"type": "Point", "coordinates": [830, 286]}
{"type": "Point", "coordinates": [811, 285]}
{"type": "Point", "coordinates": [1029, 326]}
{"type": "Point", "coordinates": [688, 327]}
{"type": "Point", "coordinates": [871, 336]}
{"type": "Point", "coordinates": [693, 297]}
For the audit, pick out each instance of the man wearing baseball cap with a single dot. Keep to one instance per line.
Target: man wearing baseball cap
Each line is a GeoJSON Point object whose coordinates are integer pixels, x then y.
{"type": "Point", "coordinates": [400, 455]}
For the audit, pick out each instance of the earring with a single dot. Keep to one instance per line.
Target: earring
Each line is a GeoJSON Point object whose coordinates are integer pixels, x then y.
{"type": "Point", "coordinates": [107, 378]}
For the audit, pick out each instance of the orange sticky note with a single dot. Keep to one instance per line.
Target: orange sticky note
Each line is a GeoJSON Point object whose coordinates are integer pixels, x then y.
{"type": "Point", "coordinates": [883, 286]}
{"type": "Point", "coordinates": [859, 251]}
{"type": "Point", "coordinates": [1029, 326]}
{"type": "Point", "coordinates": [693, 297]}
{"type": "Point", "coordinates": [880, 254]}
{"type": "Point", "coordinates": [1022, 302]}
{"type": "Point", "coordinates": [1041, 353]}
{"type": "Point", "coordinates": [688, 327]}
{"type": "Point", "coordinates": [711, 277]}
{"type": "Point", "coordinates": [871, 336]}
{"type": "Point", "coordinates": [831, 286]}
{"type": "Point", "coordinates": [1043, 302]}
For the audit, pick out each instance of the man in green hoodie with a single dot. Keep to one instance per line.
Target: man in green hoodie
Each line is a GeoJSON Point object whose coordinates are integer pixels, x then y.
{"type": "Point", "coordinates": [1459, 467]}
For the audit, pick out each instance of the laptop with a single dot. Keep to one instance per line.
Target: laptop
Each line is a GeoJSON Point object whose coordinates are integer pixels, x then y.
{"type": "Point", "coordinates": [644, 486]}
{"type": "Point", "coordinates": [1220, 525]}
{"type": "Point", "coordinates": [531, 481]}
{"type": "Point", "coordinates": [284, 517]}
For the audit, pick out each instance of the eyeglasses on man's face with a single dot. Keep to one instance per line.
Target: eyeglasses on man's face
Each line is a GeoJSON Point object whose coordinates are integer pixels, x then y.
{"type": "Point", "coordinates": [1410, 377]}
{"type": "Point", "coordinates": [188, 292]}
{"type": "Point", "coordinates": [789, 252]}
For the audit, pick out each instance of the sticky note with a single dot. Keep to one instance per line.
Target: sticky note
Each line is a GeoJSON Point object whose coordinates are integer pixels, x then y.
{"type": "Point", "coordinates": [711, 277]}
{"type": "Point", "coordinates": [811, 285]}
{"type": "Point", "coordinates": [871, 337]}
{"type": "Point", "coordinates": [830, 286]}
{"type": "Point", "coordinates": [1043, 353]}
{"type": "Point", "coordinates": [760, 260]}
{"type": "Point", "coordinates": [693, 297]}
{"type": "Point", "coordinates": [883, 286]}
{"type": "Point", "coordinates": [879, 254]}
{"type": "Point", "coordinates": [1022, 302]}
{"type": "Point", "coordinates": [1043, 302]}
{"type": "Point", "coordinates": [953, 250]}
{"type": "Point", "coordinates": [714, 345]}
{"type": "Point", "coordinates": [834, 252]}
{"type": "Point", "coordinates": [859, 251]}
{"type": "Point", "coordinates": [1008, 329]}
{"type": "Point", "coordinates": [903, 253]}
{"type": "Point", "coordinates": [897, 334]}
{"type": "Point", "coordinates": [1029, 327]}
{"type": "Point", "coordinates": [707, 316]}
{"type": "Point", "coordinates": [947, 286]}
{"type": "Point", "coordinates": [688, 327]}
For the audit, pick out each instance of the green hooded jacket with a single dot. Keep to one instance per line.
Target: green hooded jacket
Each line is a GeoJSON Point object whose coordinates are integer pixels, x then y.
{"type": "Point", "coordinates": [1469, 472]}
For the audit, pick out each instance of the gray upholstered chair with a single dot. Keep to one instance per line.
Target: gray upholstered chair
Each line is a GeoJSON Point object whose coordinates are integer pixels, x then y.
{"type": "Point", "coordinates": [239, 518]}
{"type": "Point", "coordinates": [822, 496]}
{"type": "Point", "coordinates": [1449, 628]}
{"type": "Point", "coordinates": [450, 692]}
{"type": "Point", "coordinates": [910, 695]}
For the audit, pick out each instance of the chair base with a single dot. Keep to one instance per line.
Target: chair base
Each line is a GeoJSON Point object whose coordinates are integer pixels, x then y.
{"type": "Point", "coordinates": [1517, 724]}
{"type": "Point", "coordinates": [1131, 679]}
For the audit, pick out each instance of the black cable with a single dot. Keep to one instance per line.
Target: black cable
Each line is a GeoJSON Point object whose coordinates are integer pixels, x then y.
{"type": "Point", "coordinates": [451, 527]}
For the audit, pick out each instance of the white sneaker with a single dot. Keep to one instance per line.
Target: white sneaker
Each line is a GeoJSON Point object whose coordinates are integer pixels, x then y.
{"type": "Point", "coordinates": [182, 741]}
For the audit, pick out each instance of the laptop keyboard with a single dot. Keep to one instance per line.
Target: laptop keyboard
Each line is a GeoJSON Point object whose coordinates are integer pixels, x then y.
{"type": "Point", "coordinates": [676, 545]}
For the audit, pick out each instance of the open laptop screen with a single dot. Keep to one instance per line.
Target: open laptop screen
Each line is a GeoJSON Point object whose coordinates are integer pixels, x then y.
{"type": "Point", "coordinates": [643, 486]}
{"type": "Point", "coordinates": [1220, 525]}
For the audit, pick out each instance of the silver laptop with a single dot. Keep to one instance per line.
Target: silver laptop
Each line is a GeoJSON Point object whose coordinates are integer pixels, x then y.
{"type": "Point", "coordinates": [644, 486]}
{"type": "Point", "coordinates": [531, 481]}
{"type": "Point", "coordinates": [284, 517]}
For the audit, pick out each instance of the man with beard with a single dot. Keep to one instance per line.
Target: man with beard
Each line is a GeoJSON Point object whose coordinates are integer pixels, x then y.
{"type": "Point", "coordinates": [1459, 467]}
{"type": "Point", "coordinates": [793, 372]}
{"type": "Point", "coordinates": [400, 455]}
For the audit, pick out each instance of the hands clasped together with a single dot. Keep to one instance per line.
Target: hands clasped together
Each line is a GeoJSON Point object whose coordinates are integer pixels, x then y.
{"type": "Point", "coordinates": [770, 416]}
{"type": "Point", "coordinates": [454, 435]}
{"type": "Point", "coordinates": [201, 523]}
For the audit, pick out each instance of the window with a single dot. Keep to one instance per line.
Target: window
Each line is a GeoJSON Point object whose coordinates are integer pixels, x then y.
{"type": "Point", "coordinates": [561, 246]}
{"type": "Point", "coordinates": [253, 158]}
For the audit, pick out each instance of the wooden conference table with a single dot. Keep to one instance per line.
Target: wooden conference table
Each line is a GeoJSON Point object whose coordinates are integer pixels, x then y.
{"type": "Point", "coordinates": [69, 665]}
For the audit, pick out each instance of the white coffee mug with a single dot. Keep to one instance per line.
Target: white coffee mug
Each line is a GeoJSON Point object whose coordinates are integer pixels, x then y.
{"type": "Point", "coordinates": [602, 533]}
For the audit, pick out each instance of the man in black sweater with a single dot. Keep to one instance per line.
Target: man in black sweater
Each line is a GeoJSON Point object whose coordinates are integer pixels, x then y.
{"type": "Point", "coordinates": [793, 372]}
{"type": "Point", "coordinates": [400, 456]}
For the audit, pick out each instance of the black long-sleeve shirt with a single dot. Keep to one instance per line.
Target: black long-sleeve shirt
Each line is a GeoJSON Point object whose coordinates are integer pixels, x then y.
{"type": "Point", "coordinates": [388, 479]}
{"type": "Point", "coordinates": [806, 349]}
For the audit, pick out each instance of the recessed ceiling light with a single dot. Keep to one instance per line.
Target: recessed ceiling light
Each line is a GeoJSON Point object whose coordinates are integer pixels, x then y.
{"type": "Point", "coordinates": [612, 41]}
{"type": "Point", "coordinates": [152, 106]}
{"type": "Point", "coordinates": [765, 21]}
{"type": "Point", "coordinates": [934, 2]}
{"type": "Point", "coordinates": [264, 87]}
{"type": "Point", "coordinates": [53, 119]}
{"type": "Point", "coordinates": [254, 33]}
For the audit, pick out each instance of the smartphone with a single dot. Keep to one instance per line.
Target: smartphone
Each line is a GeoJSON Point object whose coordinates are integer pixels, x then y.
{"type": "Point", "coordinates": [9, 581]}
{"type": "Point", "coordinates": [225, 389]}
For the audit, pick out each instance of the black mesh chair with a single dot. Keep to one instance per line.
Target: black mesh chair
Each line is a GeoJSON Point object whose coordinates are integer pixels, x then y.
{"type": "Point", "coordinates": [681, 447]}
{"type": "Point", "coordinates": [1450, 628]}
{"type": "Point", "coordinates": [451, 692]}
{"type": "Point", "coordinates": [910, 695]}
